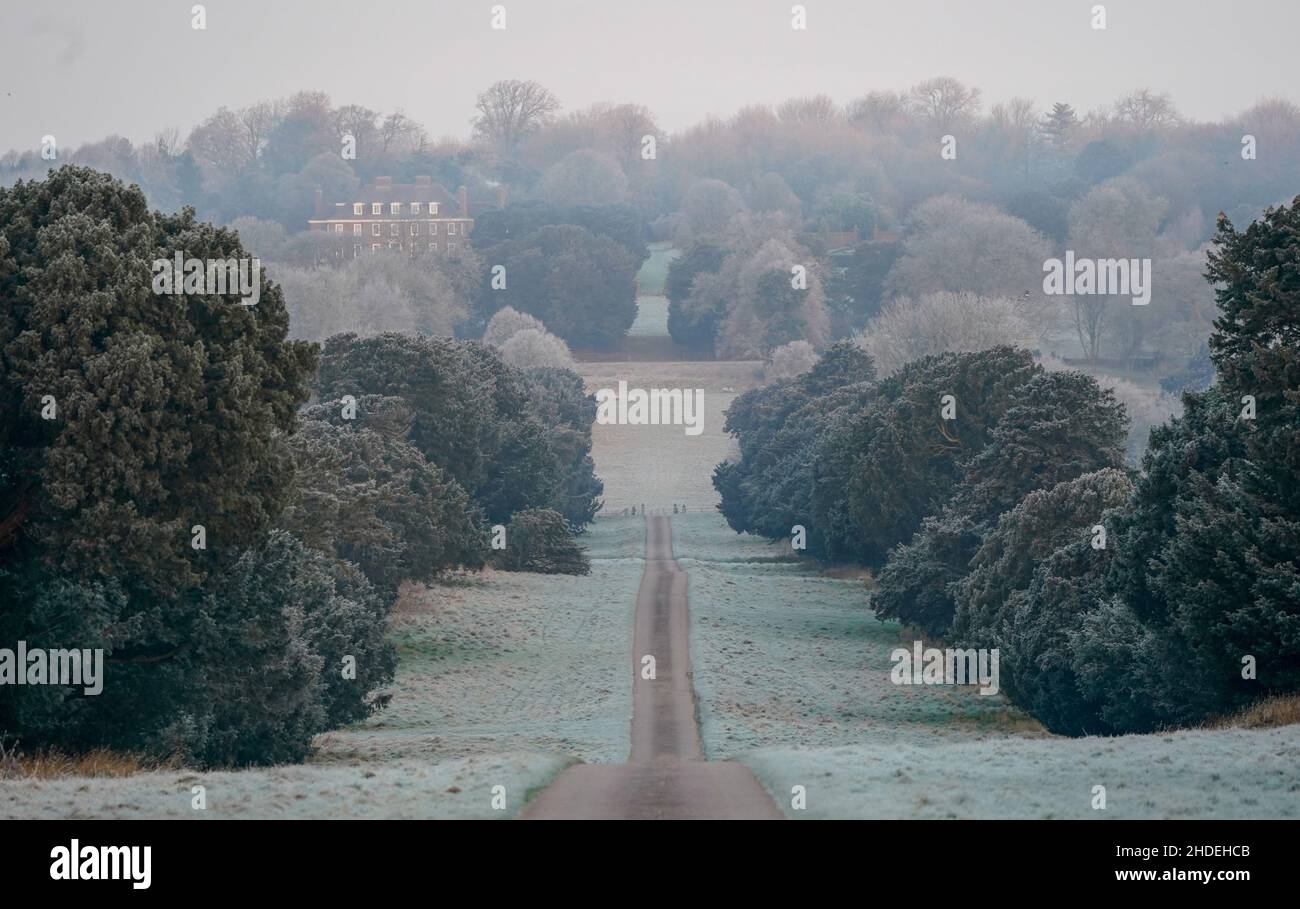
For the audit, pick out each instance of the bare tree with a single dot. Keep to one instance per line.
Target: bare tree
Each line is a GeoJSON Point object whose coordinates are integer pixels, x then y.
{"type": "Point", "coordinates": [1146, 110]}
{"type": "Point", "coordinates": [167, 142]}
{"type": "Point", "coordinates": [944, 101]}
{"type": "Point", "coordinates": [908, 329]}
{"type": "Point", "coordinates": [511, 109]}
{"type": "Point", "coordinates": [1119, 218]}
{"type": "Point", "coordinates": [399, 134]}
{"type": "Point", "coordinates": [817, 110]}
{"type": "Point", "coordinates": [620, 129]}
{"type": "Point", "coordinates": [584, 177]}
{"type": "Point", "coordinates": [881, 112]}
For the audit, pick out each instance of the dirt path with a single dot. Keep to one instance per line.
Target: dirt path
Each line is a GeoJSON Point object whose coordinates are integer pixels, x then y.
{"type": "Point", "coordinates": [666, 776]}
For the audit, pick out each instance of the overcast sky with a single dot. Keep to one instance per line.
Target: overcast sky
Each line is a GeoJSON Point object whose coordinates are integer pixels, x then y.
{"type": "Point", "coordinates": [84, 69]}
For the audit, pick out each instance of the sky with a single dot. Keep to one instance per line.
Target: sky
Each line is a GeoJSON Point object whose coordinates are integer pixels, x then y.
{"type": "Point", "coordinates": [81, 70]}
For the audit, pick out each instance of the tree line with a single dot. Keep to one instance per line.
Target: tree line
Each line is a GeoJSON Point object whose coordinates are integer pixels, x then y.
{"type": "Point", "coordinates": [227, 512]}
{"type": "Point", "coordinates": [869, 197]}
{"type": "Point", "coordinates": [1003, 516]}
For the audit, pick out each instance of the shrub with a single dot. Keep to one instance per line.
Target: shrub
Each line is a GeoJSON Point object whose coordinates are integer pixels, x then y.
{"type": "Point", "coordinates": [473, 415]}
{"type": "Point", "coordinates": [283, 619]}
{"type": "Point", "coordinates": [505, 323]}
{"type": "Point", "coordinates": [529, 349]}
{"type": "Point", "coordinates": [539, 540]}
{"type": "Point", "coordinates": [908, 329]}
{"type": "Point", "coordinates": [373, 499]}
{"type": "Point", "coordinates": [789, 360]}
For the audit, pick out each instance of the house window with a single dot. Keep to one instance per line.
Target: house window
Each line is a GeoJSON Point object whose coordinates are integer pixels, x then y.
{"type": "Point", "coordinates": [394, 208]}
{"type": "Point", "coordinates": [451, 229]}
{"type": "Point", "coordinates": [433, 247]}
{"type": "Point", "coordinates": [394, 230]}
{"type": "Point", "coordinates": [450, 246]}
{"type": "Point", "coordinates": [394, 245]}
{"type": "Point", "coordinates": [433, 228]}
{"type": "Point", "coordinates": [338, 228]}
{"type": "Point", "coordinates": [374, 230]}
{"type": "Point", "coordinates": [374, 247]}
{"type": "Point", "coordinates": [433, 208]}
{"type": "Point", "coordinates": [415, 228]}
{"type": "Point", "coordinates": [356, 250]}
{"type": "Point", "coordinates": [376, 208]}
{"type": "Point", "coordinates": [415, 208]}
{"type": "Point", "coordinates": [356, 228]}
{"type": "Point", "coordinates": [358, 208]}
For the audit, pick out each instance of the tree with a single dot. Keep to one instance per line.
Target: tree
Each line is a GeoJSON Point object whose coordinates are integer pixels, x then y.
{"type": "Point", "coordinates": [377, 293]}
{"type": "Point", "coordinates": [581, 285]}
{"type": "Point", "coordinates": [768, 303]}
{"type": "Point", "coordinates": [475, 417]}
{"type": "Point", "coordinates": [943, 101]}
{"type": "Point", "coordinates": [707, 208]}
{"type": "Point", "coordinates": [284, 617]}
{"type": "Point", "coordinates": [530, 348]}
{"type": "Point", "coordinates": [780, 428]}
{"type": "Point", "coordinates": [957, 246]}
{"type": "Point", "coordinates": [369, 497]}
{"type": "Point", "coordinates": [908, 329]}
{"type": "Point", "coordinates": [1061, 425]}
{"type": "Point", "coordinates": [1118, 219]}
{"type": "Point", "coordinates": [538, 540]}
{"type": "Point", "coordinates": [1003, 568]}
{"type": "Point", "coordinates": [620, 223]}
{"type": "Point", "coordinates": [584, 177]}
{"type": "Point", "coordinates": [1146, 110]}
{"type": "Point", "coordinates": [855, 285]}
{"type": "Point", "coordinates": [171, 414]}
{"type": "Point", "coordinates": [790, 360]}
{"type": "Point", "coordinates": [693, 328]}
{"type": "Point", "coordinates": [510, 110]}
{"type": "Point", "coordinates": [772, 193]}
{"type": "Point", "coordinates": [1058, 126]}
{"type": "Point", "coordinates": [506, 323]}
{"type": "Point", "coordinates": [905, 460]}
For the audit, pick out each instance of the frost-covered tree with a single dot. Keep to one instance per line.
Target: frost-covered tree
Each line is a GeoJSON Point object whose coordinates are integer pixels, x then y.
{"type": "Point", "coordinates": [506, 322]}
{"type": "Point", "coordinates": [584, 177]}
{"type": "Point", "coordinates": [530, 348]}
{"type": "Point", "coordinates": [908, 329]}
{"type": "Point", "coordinates": [790, 360]}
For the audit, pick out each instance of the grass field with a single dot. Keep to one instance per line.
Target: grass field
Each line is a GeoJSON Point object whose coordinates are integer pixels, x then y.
{"type": "Point", "coordinates": [784, 655]}
{"type": "Point", "coordinates": [792, 672]}
{"type": "Point", "coordinates": [650, 279]}
{"type": "Point", "coordinates": [1235, 773]}
{"type": "Point", "coordinates": [660, 466]}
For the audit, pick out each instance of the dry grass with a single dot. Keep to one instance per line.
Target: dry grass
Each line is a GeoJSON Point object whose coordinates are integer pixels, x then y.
{"type": "Point", "coordinates": [847, 572]}
{"type": "Point", "coordinates": [1283, 710]}
{"type": "Point", "coordinates": [48, 764]}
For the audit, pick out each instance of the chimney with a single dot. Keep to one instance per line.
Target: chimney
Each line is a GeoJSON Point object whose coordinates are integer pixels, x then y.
{"type": "Point", "coordinates": [383, 182]}
{"type": "Point", "coordinates": [463, 195]}
{"type": "Point", "coordinates": [501, 197]}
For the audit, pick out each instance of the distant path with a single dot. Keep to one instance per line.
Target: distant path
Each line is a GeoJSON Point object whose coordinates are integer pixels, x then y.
{"type": "Point", "coordinates": [666, 776]}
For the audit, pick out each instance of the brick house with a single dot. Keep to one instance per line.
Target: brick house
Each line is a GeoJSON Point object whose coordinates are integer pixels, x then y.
{"type": "Point", "coordinates": [415, 218]}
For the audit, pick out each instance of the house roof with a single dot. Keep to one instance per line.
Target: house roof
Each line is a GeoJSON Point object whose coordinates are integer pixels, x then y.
{"type": "Point", "coordinates": [385, 192]}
